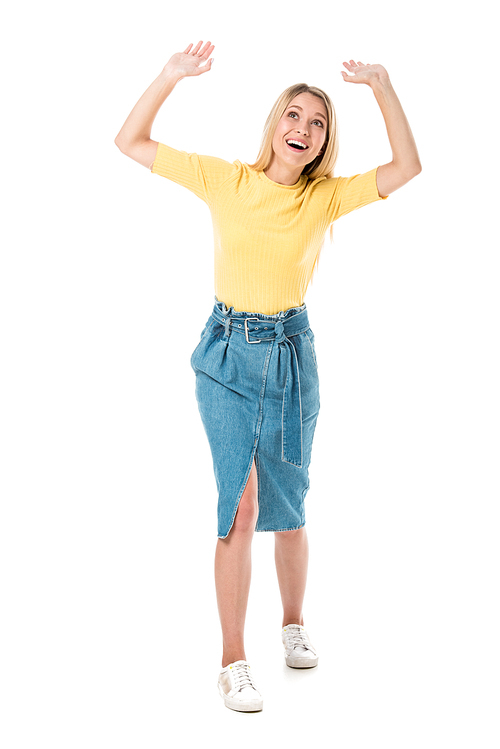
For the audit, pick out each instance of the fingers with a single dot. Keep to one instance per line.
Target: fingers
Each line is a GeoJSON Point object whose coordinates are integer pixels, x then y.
{"type": "Point", "coordinates": [204, 53]}
{"type": "Point", "coordinates": [209, 51]}
{"type": "Point", "coordinates": [352, 64]}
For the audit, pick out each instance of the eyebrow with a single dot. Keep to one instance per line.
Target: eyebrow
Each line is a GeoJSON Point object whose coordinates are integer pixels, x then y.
{"type": "Point", "coordinates": [316, 114]}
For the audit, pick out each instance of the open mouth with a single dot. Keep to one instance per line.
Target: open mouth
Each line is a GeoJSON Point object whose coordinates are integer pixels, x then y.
{"type": "Point", "coordinates": [295, 145]}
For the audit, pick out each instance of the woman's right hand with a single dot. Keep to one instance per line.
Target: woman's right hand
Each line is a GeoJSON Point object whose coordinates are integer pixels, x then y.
{"type": "Point", "coordinates": [186, 63]}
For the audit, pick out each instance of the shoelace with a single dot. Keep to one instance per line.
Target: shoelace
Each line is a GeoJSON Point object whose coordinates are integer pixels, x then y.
{"type": "Point", "coordinates": [296, 638]}
{"type": "Point", "coordinates": [242, 676]}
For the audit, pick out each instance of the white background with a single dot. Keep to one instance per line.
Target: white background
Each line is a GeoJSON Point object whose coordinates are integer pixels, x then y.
{"type": "Point", "coordinates": [109, 632]}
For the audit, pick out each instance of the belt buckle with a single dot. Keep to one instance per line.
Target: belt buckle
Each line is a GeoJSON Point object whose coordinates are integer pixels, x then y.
{"type": "Point", "coordinates": [246, 329]}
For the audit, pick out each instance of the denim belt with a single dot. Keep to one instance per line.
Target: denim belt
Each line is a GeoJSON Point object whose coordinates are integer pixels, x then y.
{"type": "Point", "coordinates": [259, 330]}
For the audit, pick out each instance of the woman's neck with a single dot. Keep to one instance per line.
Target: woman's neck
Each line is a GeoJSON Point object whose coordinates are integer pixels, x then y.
{"type": "Point", "coordinates": [282, 174]}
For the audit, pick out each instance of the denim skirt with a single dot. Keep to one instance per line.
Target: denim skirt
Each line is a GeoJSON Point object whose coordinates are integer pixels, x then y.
{"type": "Point", "coordinates": [257, 389]}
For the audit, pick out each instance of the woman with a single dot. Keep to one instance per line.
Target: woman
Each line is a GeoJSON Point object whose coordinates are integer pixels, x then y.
{"type": "Point", "coordinates": [256, 370]}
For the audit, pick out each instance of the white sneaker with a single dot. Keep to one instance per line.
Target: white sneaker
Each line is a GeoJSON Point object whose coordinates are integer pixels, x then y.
{"type": "Point", "coordinates": [238, 689]}
{"type": "Point", "coordinates": [299, 653]}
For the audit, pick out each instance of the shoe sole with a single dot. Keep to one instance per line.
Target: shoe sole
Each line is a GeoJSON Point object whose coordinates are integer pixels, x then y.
{"type": "Point", "coordinates": [300, 662]}
{"type": "Point", "coordinates": [249, 706]}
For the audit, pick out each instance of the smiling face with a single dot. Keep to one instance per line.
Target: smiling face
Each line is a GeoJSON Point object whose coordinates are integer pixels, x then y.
{"type": "Point", "coordinates": [305, 121]}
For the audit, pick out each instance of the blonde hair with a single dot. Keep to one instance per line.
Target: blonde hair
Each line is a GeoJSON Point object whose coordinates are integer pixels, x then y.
{"type": "Point", "coordinates": [324, 163]}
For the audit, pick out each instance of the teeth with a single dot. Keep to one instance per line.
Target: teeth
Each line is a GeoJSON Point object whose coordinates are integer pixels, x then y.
{"type": "Point", "coordinates": [298, 143]}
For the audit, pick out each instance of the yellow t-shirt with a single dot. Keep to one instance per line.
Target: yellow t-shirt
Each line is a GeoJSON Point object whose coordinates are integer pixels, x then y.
{"type": "Point", "coordinates": [267, 236]}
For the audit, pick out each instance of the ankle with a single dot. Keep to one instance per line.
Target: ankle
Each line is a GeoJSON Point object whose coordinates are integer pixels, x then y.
{"type": "Point", "coordinates": [293, 620]}
{"type": "Point", "coordinates": [232, 657]}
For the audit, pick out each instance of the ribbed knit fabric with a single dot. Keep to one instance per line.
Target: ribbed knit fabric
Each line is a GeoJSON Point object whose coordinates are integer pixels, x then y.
{"type": "Point", "coordinates": [267, 236]}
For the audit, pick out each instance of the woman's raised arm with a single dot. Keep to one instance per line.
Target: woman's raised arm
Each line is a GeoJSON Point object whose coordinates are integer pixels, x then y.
{"type": "Point", "coordinates": [134, 139]}
{"type": "Point", "coordinates": [405, 162]}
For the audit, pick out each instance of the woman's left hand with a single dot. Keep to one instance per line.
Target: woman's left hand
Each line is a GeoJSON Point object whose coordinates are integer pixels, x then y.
{"type": "Point", "coordinates": [364, 73]}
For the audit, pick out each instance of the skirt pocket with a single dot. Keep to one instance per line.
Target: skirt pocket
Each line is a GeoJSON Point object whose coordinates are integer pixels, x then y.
{"type": "Point", "coordinates": [212, 328]}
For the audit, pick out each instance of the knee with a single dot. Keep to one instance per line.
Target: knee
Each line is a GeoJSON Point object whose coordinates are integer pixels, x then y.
{"type": "Point", "coordinates": [294, 536]}
{"type": "Point", "coordinates": [246, 515]}
{"type": "Point", "coordinates": [248, 508]}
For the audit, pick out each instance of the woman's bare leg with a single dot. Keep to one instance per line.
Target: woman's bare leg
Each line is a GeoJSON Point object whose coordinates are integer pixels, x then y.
{"type": "Point", "coordinates": [291, 553]}
{"type": "Point", "coordinates": [233, 567]}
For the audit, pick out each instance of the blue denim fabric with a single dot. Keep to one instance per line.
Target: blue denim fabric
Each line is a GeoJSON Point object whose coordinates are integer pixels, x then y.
{"type": "Point", "coordinates": [257, 388]}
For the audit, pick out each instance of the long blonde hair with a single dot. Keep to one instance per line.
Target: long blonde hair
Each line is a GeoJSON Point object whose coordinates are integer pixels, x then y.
{"type": "Point", "coordinates": [324, 163]}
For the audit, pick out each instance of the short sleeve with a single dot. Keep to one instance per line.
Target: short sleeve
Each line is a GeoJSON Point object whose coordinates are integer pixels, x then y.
{"type": "Point", "coordinates": [346, 194]}
{"type": "Point", "coordinates": [203, 175]}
